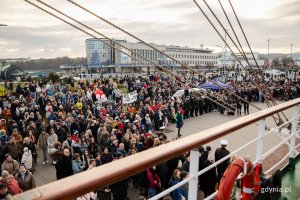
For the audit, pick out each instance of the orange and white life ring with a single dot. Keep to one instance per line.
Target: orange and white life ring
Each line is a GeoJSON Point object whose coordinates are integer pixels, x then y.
{"type": "Point", "coordinates": [250, 181]}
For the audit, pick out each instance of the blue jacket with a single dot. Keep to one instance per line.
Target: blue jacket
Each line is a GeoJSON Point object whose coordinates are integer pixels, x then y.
{"type": "Point", "coordinates": [176, 194]}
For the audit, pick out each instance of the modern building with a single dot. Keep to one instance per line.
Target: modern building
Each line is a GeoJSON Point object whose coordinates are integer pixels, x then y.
{"type": "Point", "coordinates": [10, 72]}
{"type": "Point", "coordinates": [100, 54]}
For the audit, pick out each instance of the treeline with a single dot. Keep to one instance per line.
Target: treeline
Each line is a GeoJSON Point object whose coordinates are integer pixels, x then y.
{"type": "Point", "coordinates": [49, 64]}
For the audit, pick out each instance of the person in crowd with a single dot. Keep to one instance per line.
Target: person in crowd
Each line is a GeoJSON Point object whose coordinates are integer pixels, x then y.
{"type": "Point", "coordinates": [56, 152]}
{"type": "Point", "coordinates": [154, 183]}
{"type": "Point", "coordinates": [98, 159]}
{"type": "Point", "coordinates": [77, 164]}
{"type": "Point", "coordinates": [25, 178]}
{"type": "Point", "coordinates": [10, 165]}
{"type": "Point", "coordinates": [92, 164]}
{"type": "Point", "coordinates": [3, 190]}
{"type": "Point", "coordinates": [43, 144]}
{"type": "Point", "coordinates": [179, 122]}
{"type": "Point", "coordinates": [176, 194]}
{"type": "Point", "coordinates": [64, 165]}
{"type": "Point", "coordinates": [10, 182]}
{"type": "Point", "coordinates": [219, 154]}
{"type": "Point", "coordinates": [51, 140]}
{"type": "Point", "coordinates": [27, 159]}
{"type": "Point", "coordinates": [3, 136]}
{"type": "Point", "coordinates": [13, 148]}
{"type": "Point", "coordinates": [209, 178]}
{"type": "Point", "coordinates": [106, 156]}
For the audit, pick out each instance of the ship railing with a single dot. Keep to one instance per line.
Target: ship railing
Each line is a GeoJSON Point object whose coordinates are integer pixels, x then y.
{"type": "Point", "coordinates": [99, 177]}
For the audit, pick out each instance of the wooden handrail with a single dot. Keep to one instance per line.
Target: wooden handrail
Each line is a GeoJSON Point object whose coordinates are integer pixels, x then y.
{"type": "Point", "coordinates": [82, 183]}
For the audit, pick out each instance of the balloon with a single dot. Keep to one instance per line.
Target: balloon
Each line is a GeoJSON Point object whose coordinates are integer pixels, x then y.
{"type": "Point", "coordinates": [98, 91]}
{"type": "Point", "coordinates": [103, 96]}
{"type": "Point", "coordinates": [97, 96]}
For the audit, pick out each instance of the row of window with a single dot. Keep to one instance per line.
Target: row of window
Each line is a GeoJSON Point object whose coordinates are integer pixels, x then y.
{"type": "Point", "coordinates": [192, 56]}
{"type": "Point", "coordinates": [152, 53]}
{"type": "Point", "coordinates": [192, 62]}
{"type": "Point", "coordinates": [185, 62]}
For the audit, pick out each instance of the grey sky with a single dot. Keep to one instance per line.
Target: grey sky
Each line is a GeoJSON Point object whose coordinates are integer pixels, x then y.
{"type": "Point", "coordinates": [33, 33]}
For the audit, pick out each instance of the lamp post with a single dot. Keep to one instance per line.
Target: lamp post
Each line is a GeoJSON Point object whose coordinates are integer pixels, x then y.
{"type": "Point", "coordinates": [291, 55]}
{"type": "Point", "coordinates": [268, 51]}
{"type": "Point", "coordinates": [222, 58]}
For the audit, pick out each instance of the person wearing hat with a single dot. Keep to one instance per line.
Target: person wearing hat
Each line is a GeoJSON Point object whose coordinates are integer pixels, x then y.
{"type": "Point", "coordinates": [13, 148]}
{"type": "Point", "coordinates": [219, 154]}
{"type": "Point", "coordinates": [25, 178]}
{"type": "Point", "coordinates": [10, 165]}
{"type": "Point", "coordinates": [10, 182]}
{"type": "Point", "coordinates": [27, 159]}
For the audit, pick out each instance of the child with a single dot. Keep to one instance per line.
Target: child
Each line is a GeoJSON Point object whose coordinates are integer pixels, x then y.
{"type": "Point", "coordinates": [27, 158]}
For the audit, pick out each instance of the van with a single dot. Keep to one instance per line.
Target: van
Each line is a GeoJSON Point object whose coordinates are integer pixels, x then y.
{"type": "Point", "coordinates": [191, 91]}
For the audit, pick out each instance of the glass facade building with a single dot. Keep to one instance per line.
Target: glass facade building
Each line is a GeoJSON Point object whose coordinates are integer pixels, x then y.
{"type": "Point", "coordinates": [98, 53]}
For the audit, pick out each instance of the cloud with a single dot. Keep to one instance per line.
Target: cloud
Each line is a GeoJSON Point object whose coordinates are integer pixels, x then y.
{"type": "Point", "coordinates": [170, 22]}
{"type": "Point", "coordinates": [12, 50]}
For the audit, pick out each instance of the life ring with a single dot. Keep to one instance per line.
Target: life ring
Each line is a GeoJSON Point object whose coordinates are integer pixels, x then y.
{"type": "Point", "coordinates": [250, 182]}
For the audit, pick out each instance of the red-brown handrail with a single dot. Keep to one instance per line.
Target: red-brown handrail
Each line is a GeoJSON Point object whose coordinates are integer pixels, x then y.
{"type": "Point", "coordinates": [82, 183]}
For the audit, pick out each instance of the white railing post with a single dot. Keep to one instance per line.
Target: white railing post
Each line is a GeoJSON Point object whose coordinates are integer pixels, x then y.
{"type": "Point", "coordinates": [293, 138]}
{"type": "Point", "coordinates": [194, 167]}
{"type": "Point", "coordinates": [260, 141]}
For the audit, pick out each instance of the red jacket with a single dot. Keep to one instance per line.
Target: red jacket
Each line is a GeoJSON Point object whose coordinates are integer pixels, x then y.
{"type": "Point", "coordinates": [13, 187]}
{"type": "Point", "coordinates": [151, 178]}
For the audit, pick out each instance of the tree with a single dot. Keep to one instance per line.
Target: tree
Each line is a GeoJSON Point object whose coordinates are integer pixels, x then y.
{"type": "Point", "coordinates": [285, 61]}
{"type": "Point", "coordinates": [53, 77]}
{"type": "Point", "coordinates": [275, 62]}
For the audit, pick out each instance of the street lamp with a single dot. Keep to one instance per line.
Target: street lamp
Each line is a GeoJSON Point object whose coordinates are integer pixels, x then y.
{"type": "Point", "coordinates": [222, 58]}
{"type": "Point", "coordinates": [268, 51]}
{"type": "Point", "coordinates": [291, 55]}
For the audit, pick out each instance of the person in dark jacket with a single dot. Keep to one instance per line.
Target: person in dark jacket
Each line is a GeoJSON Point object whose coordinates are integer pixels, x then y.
{"type": "Point", "coordinates": [219, 154]}
{"type": "Point", "coordinates": [64, 165]}
{"type": "Point", "coordinates": [209, 178]}
{"type": "Point", "coordinates": [106, 157]}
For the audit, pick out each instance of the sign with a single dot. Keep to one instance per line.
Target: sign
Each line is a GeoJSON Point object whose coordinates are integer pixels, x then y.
{"type": "Point", "coordinates": [130, 97]}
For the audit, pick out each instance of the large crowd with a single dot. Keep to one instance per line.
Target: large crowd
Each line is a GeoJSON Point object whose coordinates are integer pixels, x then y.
{"type": "Point", "coordinates": [77, 126]}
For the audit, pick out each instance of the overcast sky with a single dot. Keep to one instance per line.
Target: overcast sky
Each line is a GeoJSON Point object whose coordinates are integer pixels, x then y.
{"type": "Point", "coordinates": [34, 33]}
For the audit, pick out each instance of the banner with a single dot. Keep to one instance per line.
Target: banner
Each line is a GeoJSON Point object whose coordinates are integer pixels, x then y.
{"type": "Point", "coordinates": [130, 97]}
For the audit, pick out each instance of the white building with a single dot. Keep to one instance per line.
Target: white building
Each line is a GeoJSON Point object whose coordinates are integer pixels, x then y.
{"type": "Point", "coordinates": [229, 60]}
{"type": "Point", "coordinates": [99, 54]}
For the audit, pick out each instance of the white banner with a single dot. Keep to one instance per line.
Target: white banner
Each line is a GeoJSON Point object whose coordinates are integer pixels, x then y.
{"type": "Point", "coordinates": [130, 97]}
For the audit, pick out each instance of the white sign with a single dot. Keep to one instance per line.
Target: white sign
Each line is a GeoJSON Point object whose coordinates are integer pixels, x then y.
{"type": "Point", "coordinates": [130, 97]}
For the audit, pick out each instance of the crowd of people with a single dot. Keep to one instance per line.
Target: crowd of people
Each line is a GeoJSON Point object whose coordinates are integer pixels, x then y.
{"type": "Point", "coordinates": [77, 126]}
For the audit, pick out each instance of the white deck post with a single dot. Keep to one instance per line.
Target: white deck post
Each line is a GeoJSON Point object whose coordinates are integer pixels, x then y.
{"type": "Point", "coordinates": [194, 167]}
{"type": "Point", "coordinates": [260, 141]}
{"type": "Point", "coordinates": [293, 138]}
